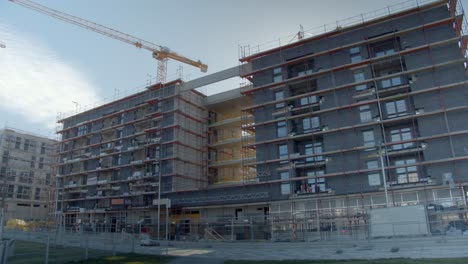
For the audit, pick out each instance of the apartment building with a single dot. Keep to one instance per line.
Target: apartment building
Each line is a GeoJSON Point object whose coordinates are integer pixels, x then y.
{"type": "Point", "coordinates": [116, 158]}
{"type": "Point", "coordinates": [26, 174]}
{"type": "Point", "coordinates": [366, 115]}
{"type": "Point", "coordinates": [369, 113]}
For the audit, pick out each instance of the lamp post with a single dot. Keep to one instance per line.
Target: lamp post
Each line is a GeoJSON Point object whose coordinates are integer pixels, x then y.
{"type": "Point", "coordinates": [159, 186]}
{"type": "Point", "coordinates": [382, 167]}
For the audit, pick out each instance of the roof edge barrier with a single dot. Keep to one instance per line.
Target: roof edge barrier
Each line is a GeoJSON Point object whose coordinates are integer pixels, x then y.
{"type": "Point", "coordinates": [151, 87]}
{"type": "Point", "coordinates": [342, 26]}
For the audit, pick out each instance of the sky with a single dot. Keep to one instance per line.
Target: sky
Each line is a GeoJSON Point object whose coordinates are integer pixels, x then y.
{"type": "Point", "coordinates": [51, 68]}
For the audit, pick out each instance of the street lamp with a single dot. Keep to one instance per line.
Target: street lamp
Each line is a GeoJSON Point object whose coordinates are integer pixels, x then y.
{"type": "Point", "coordinates": [159, 153]}
{"type": "Point", "coordinates": [382, 150]}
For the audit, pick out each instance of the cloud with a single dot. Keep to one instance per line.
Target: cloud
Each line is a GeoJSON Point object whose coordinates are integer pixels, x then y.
{"type": "Point", "coordinates": [35, 83]}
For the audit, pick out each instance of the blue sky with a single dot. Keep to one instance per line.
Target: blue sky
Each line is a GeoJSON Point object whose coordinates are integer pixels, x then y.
{"type": "Point", "coordinates": [50, 66]}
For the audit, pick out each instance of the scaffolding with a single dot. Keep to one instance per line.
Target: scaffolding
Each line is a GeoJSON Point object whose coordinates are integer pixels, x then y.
{"type": "Point", "coordinates": [226, 137]}
{"type": "Point", "coordinates": [112, 158]}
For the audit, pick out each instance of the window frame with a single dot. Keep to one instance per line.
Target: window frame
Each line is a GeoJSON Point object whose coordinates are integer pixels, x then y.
{"type": "Point", "coordinates": [365, 113]}
{"type": "Point", "coordinates": [401, 134]}
{"type": "Point", "coordinates": [285, 186]}
{"type": "Point", "coordinates": [355, 54]}
{"type": "Point", "coordinates": [281, 129]}
{"type": "Point", "coordinates": [277, 75]}
{"type": "Point", "coordinates": [279, 95]}
{"type": "Point", "coordinates": [309, 123]}
{"type": "Point", "coordinates": [366, 142]}
{"type": "Point", "coordinates": [397, 108]}
{"type": "Point", "coordinates": [320, 181]}
{"type": "Point", "coordinates": [283, 151]}
{"type": "Point", "coordinates": [409, 171]}
{"type": "Point", "coordinates": [313, 148]}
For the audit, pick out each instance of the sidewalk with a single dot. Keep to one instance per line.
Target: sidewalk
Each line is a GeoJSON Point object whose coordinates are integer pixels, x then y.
{"type": "Point", "coordinates": [432, 247]}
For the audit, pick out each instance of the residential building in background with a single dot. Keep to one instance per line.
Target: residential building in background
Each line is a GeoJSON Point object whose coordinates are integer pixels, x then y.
{"type": "Point", "coordinates": [369, 113]}
{"type": "Point", "coordinates": [27, 175]}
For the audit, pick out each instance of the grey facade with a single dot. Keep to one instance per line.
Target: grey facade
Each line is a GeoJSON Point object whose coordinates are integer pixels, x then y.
{"type": "Point", "coordinates": [329, 108]}
{"type": "Point", "coordinates": [330, 119]}
{"type": "Point", "coordinates": [118, 156]}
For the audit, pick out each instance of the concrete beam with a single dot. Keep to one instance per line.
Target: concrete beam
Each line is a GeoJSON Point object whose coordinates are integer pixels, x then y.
{"type": "Point", "coordinates": [215, 77]}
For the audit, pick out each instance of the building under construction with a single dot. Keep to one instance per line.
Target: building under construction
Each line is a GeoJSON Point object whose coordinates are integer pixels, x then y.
{"type": "Point", "coordinates": [368, 113]}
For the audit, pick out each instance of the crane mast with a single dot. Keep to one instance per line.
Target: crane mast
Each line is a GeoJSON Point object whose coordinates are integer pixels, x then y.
{"type": "Point", "coordinates": [160, 53]}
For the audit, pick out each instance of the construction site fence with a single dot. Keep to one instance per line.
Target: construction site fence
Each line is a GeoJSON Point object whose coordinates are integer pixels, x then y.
{"type": "Point", "coordinates": [269, 228]}
{"type": "Point", "coordinates": [307, 226]}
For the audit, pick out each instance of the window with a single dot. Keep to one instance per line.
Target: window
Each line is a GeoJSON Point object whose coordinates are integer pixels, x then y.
{"type": "Point", "coordinates": [43, 147]}
{"type": "Point", "coordinates": [359, 77]}
{"type": "Point", "coordinates": [374, 176]}
{"type": "Point", "coordinates": [33, 161]}
{"type": "Point", "coordinates": [28, 176]}
{"type": "Point", "coordinates": [311, 149]}
{"type": "Point", "coordinates": [365, 113]}
{"type": "Point", "coordinates": [313, 99]}
{"type": "Point", "coordinates": [406, 174]}
{"type": "Point", "coordinates": [317, 185]}
{"type": "Point", "coordinates": [368, 138]}
{"type": "Point", "coordinates": [119, 135]}
{"type": "Point", "coordinates": [10, 191]}
{"type": "Point", "coordinates": [301, 68]}
{"type": "Point", "coordinates": [277, 75]}
{"type": "Point", "coordinates": [48, 179]}
{"type": "Point", "coordinates": [281, 130]}
{"type": "Point", "coordinates": [401, 134]}
{"type": "Point", "coordinates": [310, 124]}
{"type": "Point", "coordinates": [396, 108]}
{"type": "Point", "coordinates": [283, 151]}
{"type": "Point", "coordinates": [285, 186]}
{"type": "Point", "coordinates": [122, 118]}
{"type": "Point", "coordinates": [41, 163]}
{"type": "Point", "coordinates": [6, 155]}
{"type": "Point", "coordinates": [26, 144]}
{"type": "Point", "coordinates": [355, 54]}
{"type": "Point", "coordinates": [37, 194]}
{"type": "Point", "coordinates": [157, 152]}
{"type": "Point", "coordinates": [17, 143]}
{"type": "Point", "coordinates": [279, 96]}
{"type": "Point", "coordinates": [11, 176]}
{"type": "Point", "coordinates": [395, 81]}
{"type": "Point", "coordinates": [384, 48]}
{"type": "Point", "coordinates": [23, 192]}
{"type": "Point", "coordinates": [82, 130]}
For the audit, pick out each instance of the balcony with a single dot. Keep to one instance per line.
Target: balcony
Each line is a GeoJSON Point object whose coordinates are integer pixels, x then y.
{"type": "Point", "coordinates": [420, 183]}
{"type": "Point", "coordinates": [364, 94]}
{"type": "Point", "coordinates": [405, 148]}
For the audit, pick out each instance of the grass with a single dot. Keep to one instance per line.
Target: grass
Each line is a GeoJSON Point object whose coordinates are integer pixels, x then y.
{"type": "Point", "coordinates": [31, 253]}
{"type": "Point", "coordinates": [377, 261]}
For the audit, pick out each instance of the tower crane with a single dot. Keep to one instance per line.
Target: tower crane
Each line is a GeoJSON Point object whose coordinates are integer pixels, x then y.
{"type": "Point", "coordinates": [161, 53]}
